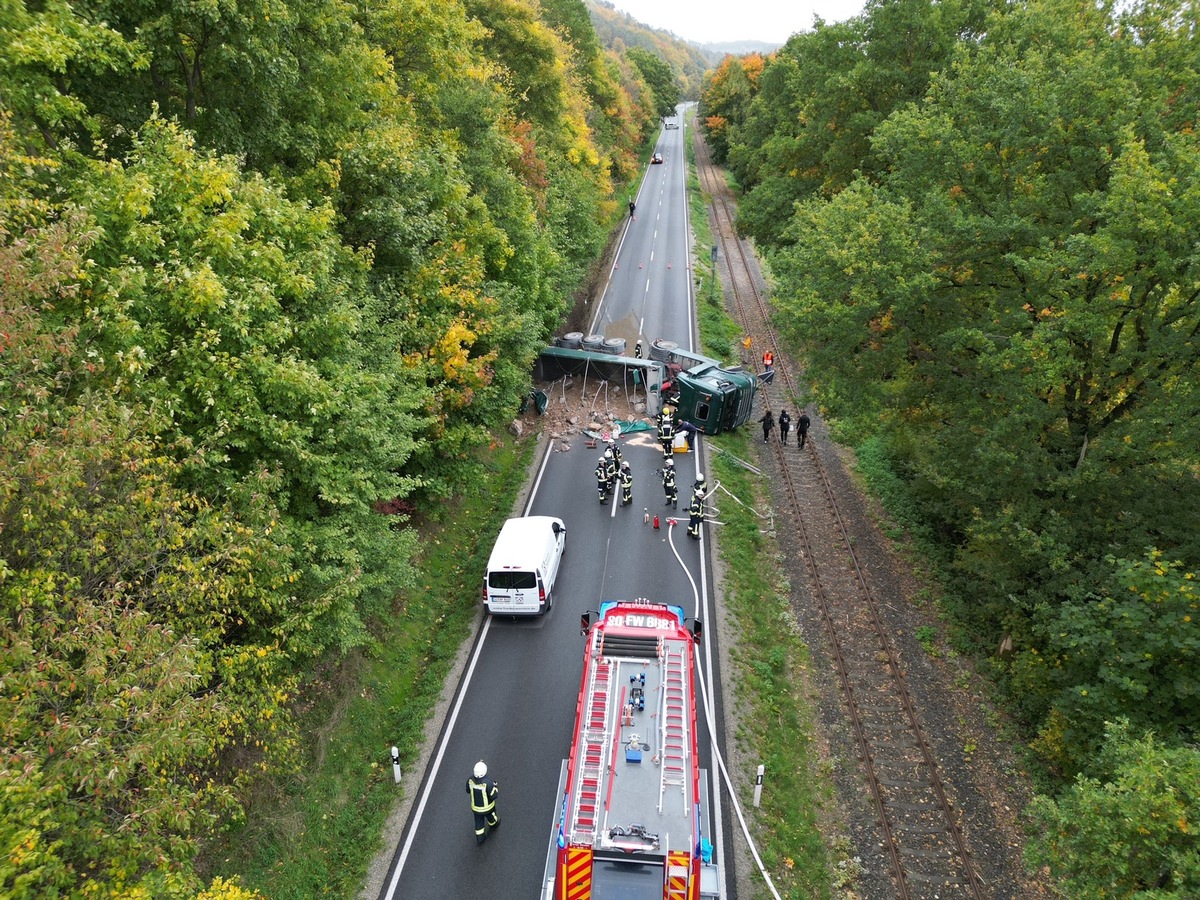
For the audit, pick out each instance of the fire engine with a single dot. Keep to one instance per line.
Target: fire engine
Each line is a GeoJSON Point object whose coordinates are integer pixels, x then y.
{"type": "Point", "coordinates": [632, 823]}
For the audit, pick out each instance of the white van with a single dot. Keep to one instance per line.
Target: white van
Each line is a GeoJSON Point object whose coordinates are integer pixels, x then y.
{"type": "Point", "coordinates": [523, 565]}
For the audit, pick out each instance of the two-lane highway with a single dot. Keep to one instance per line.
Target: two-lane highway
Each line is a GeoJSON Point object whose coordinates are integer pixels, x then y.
{"type": "Point", "coordinates": [648, 295]}
{"type": "Point", "coordinates": [516, 702]}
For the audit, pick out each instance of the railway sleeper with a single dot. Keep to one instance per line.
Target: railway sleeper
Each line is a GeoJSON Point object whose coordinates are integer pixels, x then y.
{"type": "Point", "coordinates": [942, 855]}
{"type": "Point", "coordinates": [915, 807]}
{"type": "Point", "coordinates": [884, 762]}
{"type": "Point", "coordinates": [943, 880]}
{"type": "Point", "coordinates": [906, 785]}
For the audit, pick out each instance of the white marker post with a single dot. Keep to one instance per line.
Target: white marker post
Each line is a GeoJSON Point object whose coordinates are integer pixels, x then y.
{"type": "Point", "coordinates": [758, 786]}
{"type": "Point", "coordinates": [396, 764]}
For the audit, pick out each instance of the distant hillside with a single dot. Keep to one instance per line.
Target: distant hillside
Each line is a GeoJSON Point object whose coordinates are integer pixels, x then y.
{"type": "Point", "coordinates": [739, 48]}
{"type": "Point", "coordinates": [619, 30]}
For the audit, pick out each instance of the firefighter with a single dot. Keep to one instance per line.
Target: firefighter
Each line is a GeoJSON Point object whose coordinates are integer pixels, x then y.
{"type": "Point", "coordinates": [696, 512]}
{"type": "Point", "coordinates": [669, 483]}
{"type": "Point", "coordinates": [610, 469]}
{"type": "Point", "coordinates": [616, 452]}
{"type": "Point", "coordinates": [483, 793]}
{"type": "Point", "coordinates": [602, 479]}
{"type": "Point", "coordinates": [637, 349]}
{"type": "Point", "coordinates": [666, 433]}
{"type": "Point", "coordinates": [626, 484]}
{"type": "Point", "coordinates": [701, 485]}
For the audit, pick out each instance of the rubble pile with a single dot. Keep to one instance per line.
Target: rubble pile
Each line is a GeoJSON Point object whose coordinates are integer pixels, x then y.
{"type": "Point", "coordinates": [576, 414]}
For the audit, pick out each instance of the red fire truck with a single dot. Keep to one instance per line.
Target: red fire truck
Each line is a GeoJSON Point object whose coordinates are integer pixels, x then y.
{"type": "Point", "coordinates": [633, 822]}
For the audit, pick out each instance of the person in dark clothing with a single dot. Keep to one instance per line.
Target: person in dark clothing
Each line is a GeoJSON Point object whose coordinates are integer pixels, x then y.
{"type": "Point", "coordinates": [785, 425]}
{"type": "Point", "coordinates": [632, 207]}
{"type": "Point", "coordinates": [696, 514]}
{"type": "Point", "coordinates": [616, 452]}
{"type": "Point", "coordinates": [802, 427]}
{"type": "Point", "coordinates": [666, 434]}
{"type": "Point", "coordinates": [602, 479]}
{"type": "Point", "coordinates": [626, 484]}
{"type": "Point", "coordinates": [483, 793]}
{"type": "Point", "coordinates": [669, 487]}
{"type": "Point", "coordinates": [689, 431]}
{"type": "Point", "coordinates": [768, 422]}
{"type": "Point", "coordinates": [610, 469]}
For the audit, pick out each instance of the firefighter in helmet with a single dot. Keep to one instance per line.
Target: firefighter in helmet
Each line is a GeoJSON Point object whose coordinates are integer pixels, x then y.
{"type": "Point", "coordinates": [626, 484]}
{"type": "Point", "coordinates": [610, 469]}
{"type": "Point", "coordinates": [666, 433]}
{"type": "Point", "coordinates": [700, 485]}
{"type": "Point", "coordinates": [669, 487]}
{"type": "Point", "coordinates": [696, 514]}
{"type": "Point", "coordinates": [602, 478]}
{"type": "Point", "coordinates": [483, 793]}
{"type": "Point", "coordinates": [616, 452]}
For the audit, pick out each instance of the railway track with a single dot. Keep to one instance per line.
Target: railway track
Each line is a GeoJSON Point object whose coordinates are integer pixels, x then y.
{"type": "Point", "coordinates": [919, 828]}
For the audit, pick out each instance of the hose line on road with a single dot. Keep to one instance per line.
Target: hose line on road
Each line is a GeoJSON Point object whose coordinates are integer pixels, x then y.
{"type": "Point", "coordinates": [709, 716]}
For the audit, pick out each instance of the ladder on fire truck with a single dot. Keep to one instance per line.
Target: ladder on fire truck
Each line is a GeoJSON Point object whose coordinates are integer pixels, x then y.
{"type": "Point", "coordinates": [594, 738]}
{"type": "Point", "coordinates": [674, 722]}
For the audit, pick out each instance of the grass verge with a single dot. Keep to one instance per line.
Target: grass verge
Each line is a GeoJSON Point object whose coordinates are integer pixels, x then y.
{"type": "Point", "coordinates": [314, 832]}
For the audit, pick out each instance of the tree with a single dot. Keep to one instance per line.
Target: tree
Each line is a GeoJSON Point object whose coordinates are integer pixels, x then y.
{"type": "Point", "coordinates": [659, 77]}
{"type": "Point", "coordinates": [1132, 654]}
{"type": "Point", "coordinates": [137, 620]}
{"type": "Point", "coordinates": [1027, 324]}
{"type": "Point", "coordinates": [46, 54]}
{"type": "Point", "coordinates": [808, 131]}
{"type": "Point", "coordinates": [241, 317]}
{"type": "Point", "coordinates": [726, 98]}
{"type": "Point", "coordinates": [1130, 833]}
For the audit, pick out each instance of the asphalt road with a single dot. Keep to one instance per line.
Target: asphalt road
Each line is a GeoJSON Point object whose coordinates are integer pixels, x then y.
{"type": "Point", "coordinates": [648, 293]}
{"type": "Point", "coordinates": [516, 704]}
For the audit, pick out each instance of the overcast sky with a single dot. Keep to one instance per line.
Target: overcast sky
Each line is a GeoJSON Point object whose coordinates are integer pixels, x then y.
{"type": "Point", "coordinates": [713, 21]}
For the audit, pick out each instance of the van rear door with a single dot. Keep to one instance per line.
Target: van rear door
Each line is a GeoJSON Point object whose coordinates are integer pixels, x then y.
{"type": "Point", "coordinates": [516, 591]}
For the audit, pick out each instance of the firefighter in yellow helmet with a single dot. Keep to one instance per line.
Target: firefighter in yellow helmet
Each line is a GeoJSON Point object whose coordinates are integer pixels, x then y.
{"type": "Point", "coordinates": [483, 793]}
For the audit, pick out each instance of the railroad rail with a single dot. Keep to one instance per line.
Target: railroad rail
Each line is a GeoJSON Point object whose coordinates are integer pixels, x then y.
{"type": "Point", "coordinates": [919, 828]}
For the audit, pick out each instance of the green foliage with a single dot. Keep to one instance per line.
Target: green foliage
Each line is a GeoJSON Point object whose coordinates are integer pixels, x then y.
{"type": "Point", "coordinates": [316, 831]}
{"type": "Point", "coordinates": [1013, 303]}
{"type": "Point", "coordinates": [659, 77]}
{"type": "Point", "coordinates": [618, 31]}
{"type": "Point", "coordinates": [1130, 833]}
{"type": "Point", "coordinates": [999, 309]}
{"type": "Point", "coordinates": [726, 98]}
{"type": "Point", "coordinates": [47, 53]}
{"type": "Point", "coordinates": [30, 865]}
{"type": "Point", "coordinates": [136, 618]}
{"type": "Point", "coordinates": [1133, 652]}
{"type": "Point", "coordinates": [237, 313]}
